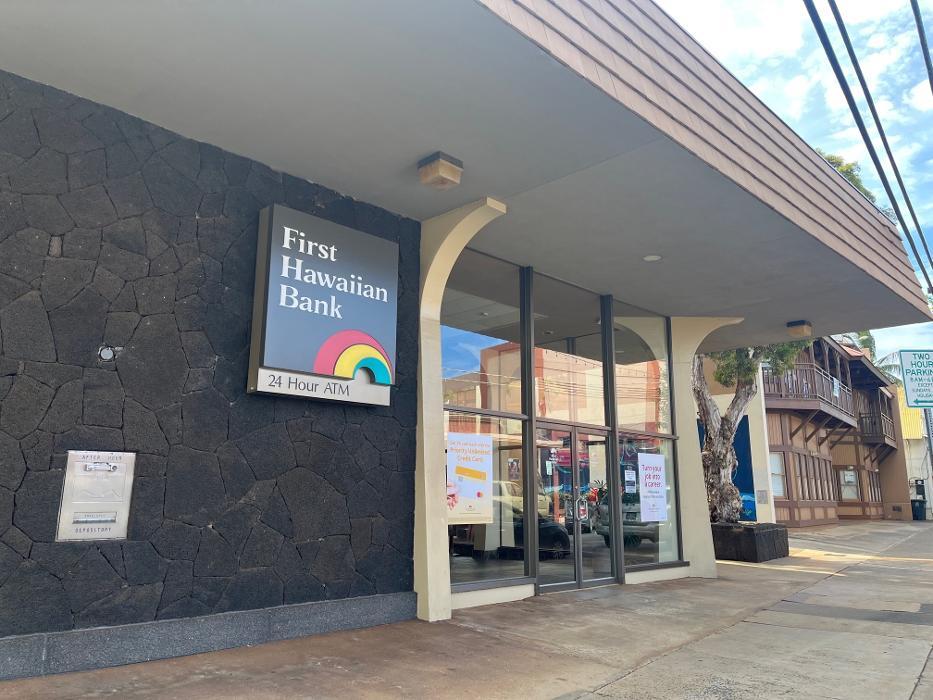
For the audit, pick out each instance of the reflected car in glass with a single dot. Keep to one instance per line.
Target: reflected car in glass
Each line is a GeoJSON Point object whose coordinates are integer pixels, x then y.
{"type": "Point", "coordinates": [633, 529]}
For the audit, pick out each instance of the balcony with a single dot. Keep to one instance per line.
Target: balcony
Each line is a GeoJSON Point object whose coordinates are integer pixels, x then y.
{"type": "Point", "coordinates": [808, 387]}
{"type": "Point", "coordinates": [877, 428]}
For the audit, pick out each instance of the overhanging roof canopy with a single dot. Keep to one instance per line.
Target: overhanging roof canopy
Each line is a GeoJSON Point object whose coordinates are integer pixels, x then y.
{"type": "Point", "coordinates": [608, 131]}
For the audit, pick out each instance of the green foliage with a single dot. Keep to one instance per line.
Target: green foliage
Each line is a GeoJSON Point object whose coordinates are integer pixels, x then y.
{"type": "Point", "coordinates": [890, 364]}
{"type": "Point", "coordinates": [850, 171]}
{"type": "Point", "coordinates": [863, 340]}
{"type": "Point", "coordinates": [741, 365]}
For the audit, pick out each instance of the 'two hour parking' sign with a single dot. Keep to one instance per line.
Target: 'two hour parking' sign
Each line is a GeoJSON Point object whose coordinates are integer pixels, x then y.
{"type": "Point", "coordinates": [917, 370]}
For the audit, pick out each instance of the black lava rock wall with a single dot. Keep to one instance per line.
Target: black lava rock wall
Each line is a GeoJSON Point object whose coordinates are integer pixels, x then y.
{"type": "Point", "coordinates": [115, 233]}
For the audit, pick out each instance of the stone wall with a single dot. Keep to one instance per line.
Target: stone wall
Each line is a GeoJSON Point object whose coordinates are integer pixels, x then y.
{"type": "Point", "coordinates": [117, 233]}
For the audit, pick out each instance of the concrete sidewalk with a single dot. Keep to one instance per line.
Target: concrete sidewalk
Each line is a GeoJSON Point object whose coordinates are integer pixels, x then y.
{"type": "Point", "coordinates": [848, 615]}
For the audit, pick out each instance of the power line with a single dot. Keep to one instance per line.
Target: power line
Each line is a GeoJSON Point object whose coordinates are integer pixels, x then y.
{"type": "Point", "coordinates": [844, 85]}
{"type": "Point", "coordinates": [923, 40]}
{"type": "Point", "coordinates": [874, 113]}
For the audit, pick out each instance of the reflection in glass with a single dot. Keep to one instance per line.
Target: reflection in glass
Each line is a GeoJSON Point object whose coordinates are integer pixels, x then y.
{"type": "Point", "coordinates": [649, 512]}
{"type": "Point", "coordinates": [480, 335]}
{"type": "Point", "coordinates": [642, 386]}
{"type": "Point", "coordinates": [568, 353]}
{"type": "Point", "coordinates": [488, 551]}
{"type": "Point", "coordinates": [555, 499]}
{"type": "Point", "coordinates": [596, 530]}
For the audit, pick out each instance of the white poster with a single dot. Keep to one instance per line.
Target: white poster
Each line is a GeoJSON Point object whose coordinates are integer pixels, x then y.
{"type": "Point", "coordinates": [630, 480]}
{"type": "Point", "coordinates": [469, 478]}
{"type": "Point", "coordinates": [652, 496]}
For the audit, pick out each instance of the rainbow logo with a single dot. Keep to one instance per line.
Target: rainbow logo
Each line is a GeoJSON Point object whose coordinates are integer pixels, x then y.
{"type": "Point", "coordinates": [346, 352]}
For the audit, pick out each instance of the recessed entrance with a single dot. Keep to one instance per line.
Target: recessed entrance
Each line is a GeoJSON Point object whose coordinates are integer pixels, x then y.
{"type": "Point", "coordinates": [573, 507]}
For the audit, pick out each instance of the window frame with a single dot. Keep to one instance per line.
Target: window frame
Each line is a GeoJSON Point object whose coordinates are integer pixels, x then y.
{"type": "Point", "coordinates": [529, 419]}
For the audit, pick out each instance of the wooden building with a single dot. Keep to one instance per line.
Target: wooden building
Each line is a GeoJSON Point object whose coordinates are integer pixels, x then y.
{"type": "Point", "coordinates": [836, 450]}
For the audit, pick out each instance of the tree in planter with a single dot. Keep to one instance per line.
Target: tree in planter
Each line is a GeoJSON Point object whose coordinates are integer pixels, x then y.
{"type": "Point", "coordinates": [738, 368]}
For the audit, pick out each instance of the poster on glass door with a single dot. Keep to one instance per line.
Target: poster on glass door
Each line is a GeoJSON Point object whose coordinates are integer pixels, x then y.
{"type": "Point", "coordinates": [652, 492]}
{"type": "Point", "coordinates": [469, 479]}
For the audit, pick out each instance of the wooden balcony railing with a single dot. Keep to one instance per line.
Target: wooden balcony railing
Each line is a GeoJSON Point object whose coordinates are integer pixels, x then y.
{"type": "Point", "coordinates": [808, 382]}
{"type": "Point", "coordinates": [876, 426]}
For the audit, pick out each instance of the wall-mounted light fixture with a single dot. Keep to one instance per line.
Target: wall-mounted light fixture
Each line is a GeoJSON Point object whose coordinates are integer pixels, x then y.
{"type": "Point", "coordinates": [440, 171]}
{"type": "Point", "coordinates": [799, 329]}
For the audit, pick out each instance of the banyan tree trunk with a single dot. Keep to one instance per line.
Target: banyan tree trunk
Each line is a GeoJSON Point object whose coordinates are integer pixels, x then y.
{"type": "Point", "coordinates": [719, 460]}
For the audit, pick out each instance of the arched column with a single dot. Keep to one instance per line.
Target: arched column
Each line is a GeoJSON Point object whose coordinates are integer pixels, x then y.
{"type": "Point", "coordinates": [697, 540]}
{"type": "Point", "coordinates": [443, 238]}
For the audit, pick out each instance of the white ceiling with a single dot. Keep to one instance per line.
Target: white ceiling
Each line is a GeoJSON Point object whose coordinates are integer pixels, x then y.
{"type": "Point", "coordinates": [352, 93]}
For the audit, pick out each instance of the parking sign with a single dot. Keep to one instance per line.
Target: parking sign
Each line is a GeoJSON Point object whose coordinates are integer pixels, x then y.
{"type": "Point", "coordinates": [917, 370]}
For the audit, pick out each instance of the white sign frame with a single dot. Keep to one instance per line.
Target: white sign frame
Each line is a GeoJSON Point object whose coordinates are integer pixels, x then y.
{"type": "Point", "coordinates": [652, 487]}
{"type": "Point", "coordinates": [918, 387]}
{"type": "Point", "coordinates": [470, 462]}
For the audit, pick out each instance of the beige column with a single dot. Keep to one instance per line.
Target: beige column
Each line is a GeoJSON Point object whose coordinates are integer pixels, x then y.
{"type": "Point", "coordinates": [758, 441]}
{"type": "Point", "coordinates": [686, 335]}
{"type": "Point", "coordinates": [443, 238]}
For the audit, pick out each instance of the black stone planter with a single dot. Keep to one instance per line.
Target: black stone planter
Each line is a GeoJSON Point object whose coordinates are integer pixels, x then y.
{"type": "Point", "coordinates": [750, 541]}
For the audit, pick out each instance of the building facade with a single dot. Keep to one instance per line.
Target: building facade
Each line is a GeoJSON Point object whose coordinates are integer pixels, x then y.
{"type": "Point", "coordinates": [548, 308]}
{"type": "Point", "coordinates": [915, 432]}
{"type": "Point", "coordinates": [836, 447]}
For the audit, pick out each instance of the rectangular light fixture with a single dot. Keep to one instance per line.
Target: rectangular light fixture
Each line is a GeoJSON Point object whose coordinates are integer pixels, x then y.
{"type": "Point", "coordinates": [440, 171]}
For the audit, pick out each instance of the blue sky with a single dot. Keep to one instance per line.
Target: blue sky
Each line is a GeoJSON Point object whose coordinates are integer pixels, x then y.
{"type": "Point", "coordinates": [771, 46]}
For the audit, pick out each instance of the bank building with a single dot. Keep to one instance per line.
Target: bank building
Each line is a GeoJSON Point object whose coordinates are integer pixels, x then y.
{"type": "Point", "coordinates": [548, 207]}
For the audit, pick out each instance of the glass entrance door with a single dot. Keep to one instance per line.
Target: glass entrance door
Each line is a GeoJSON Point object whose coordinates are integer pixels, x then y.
{"type": "Point", "coordinates": [573, 507]}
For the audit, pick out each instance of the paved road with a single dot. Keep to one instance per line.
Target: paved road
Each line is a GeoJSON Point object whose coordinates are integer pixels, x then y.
{"type": "Point", "coordinates": [848, 615]}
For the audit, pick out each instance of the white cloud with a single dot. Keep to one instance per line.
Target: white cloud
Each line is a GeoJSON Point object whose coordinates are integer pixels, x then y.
{"type": "Point", "coordinates": [889, 112]}
{"type": "Point", "coordinates": [731, 29]}
{"type": "Point", "coordinates": [861, 11]}
{"type": "Point", "coordinates": [920, 96]}
{"type": "Point", "coordinates": [848, 134]}
{"type": "Point", "coordinates": [791, 93]}
{"type": "Point", "coordinates": [878, 64]}
{"type": "Point", "coordinates": [876, 41]}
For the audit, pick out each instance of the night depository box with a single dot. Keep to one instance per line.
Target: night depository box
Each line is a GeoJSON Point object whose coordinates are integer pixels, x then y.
{"type": "Point", "coordinates": [96, 496]}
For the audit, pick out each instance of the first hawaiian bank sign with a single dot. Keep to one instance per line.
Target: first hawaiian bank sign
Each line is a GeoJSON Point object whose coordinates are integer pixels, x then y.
{"type": "Point", "coordinates": [324, 310]}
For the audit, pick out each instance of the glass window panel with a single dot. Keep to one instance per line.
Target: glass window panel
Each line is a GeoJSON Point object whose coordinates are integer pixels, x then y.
{"type": "Point", "coordinates": [798, 481]}
{"type": "Point", "coordinates": [596, 530]}
{"type": "Point", "coordinates": [481, 335]}
{"type": "Point", "coordinates": [496, 550]}
{"type": "Point", "coordinates": [647, 538]}
{"type": "Point", "coordinates": [568, 353]}
{"type": "Point", "coordinates": [641, 367]}
{"type": "Point", "coordinates": [848, 485]}
{"type": "Point", "coordinates": [776, 466]}
{"type": "Point", "coordinates": [555, 503]}
{"type": "Point", "coordinates": [811, 480]}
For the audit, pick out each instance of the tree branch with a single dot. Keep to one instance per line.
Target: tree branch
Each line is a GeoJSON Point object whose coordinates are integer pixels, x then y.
{"type": "Point", "coordinates": [709, 411]}
{"type": "Point", "coordinates": [745, 391]}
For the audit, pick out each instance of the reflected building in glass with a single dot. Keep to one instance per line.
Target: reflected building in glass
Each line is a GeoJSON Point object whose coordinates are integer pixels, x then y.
{"type": "Point", "coordinates": [584, 488]}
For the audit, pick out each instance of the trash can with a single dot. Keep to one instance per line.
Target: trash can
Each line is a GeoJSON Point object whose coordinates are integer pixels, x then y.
{"type": "Point", "coordinates": [918, 507]}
